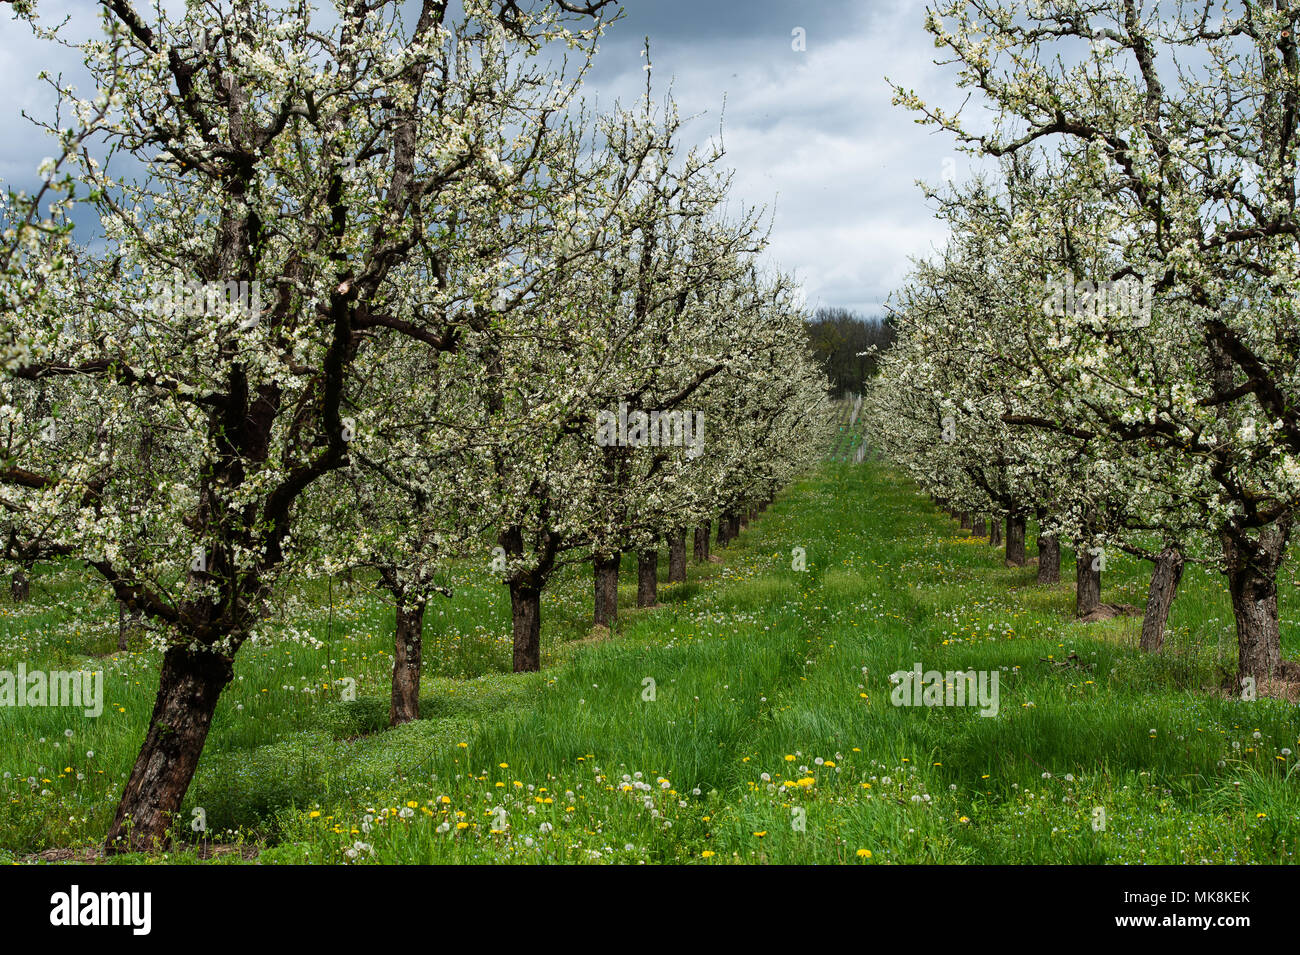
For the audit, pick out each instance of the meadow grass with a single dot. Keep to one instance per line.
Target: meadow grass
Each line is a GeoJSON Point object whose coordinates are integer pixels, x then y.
{"type": "Point", "coordinates": [746, 719]}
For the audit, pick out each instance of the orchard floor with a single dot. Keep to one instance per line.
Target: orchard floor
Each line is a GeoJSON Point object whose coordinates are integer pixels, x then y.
{"type": "Point", "coordinates": [746, 719]}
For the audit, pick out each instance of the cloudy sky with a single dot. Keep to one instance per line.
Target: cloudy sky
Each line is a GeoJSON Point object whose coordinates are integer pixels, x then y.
{"type": "Point", "coordinates": [810, 133]}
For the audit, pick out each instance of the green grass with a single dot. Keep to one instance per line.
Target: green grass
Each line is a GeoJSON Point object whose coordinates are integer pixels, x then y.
{"type": "Point", "coordinates": [767, 735]}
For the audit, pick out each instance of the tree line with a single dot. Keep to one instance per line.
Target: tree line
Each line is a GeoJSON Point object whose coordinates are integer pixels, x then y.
{"type": "Point", "coordinates": [1109, 342]}
{"type": "Point", "coordinates": [849, 346]}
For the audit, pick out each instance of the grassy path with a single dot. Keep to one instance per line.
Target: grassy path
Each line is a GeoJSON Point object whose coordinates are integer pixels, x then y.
{"type": "Point", "coordinates": [771, 736]}
{"type": "Point", "coordinates": [749, 719]}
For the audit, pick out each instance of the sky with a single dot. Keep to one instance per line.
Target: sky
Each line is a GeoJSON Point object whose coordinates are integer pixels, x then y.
{"type": "Point", "coordinates": [810, 133]}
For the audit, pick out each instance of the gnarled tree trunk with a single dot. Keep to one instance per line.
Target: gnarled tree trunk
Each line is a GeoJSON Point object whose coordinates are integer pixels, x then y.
{"type": "Point", "coordinates": [702, 541]}
{"type": "Point", "coordinates": [407, 650]}
{"type": "Point", "coordinates": [995, 532]}
{"type": "Point", "coordinates": [978, 528]}
{"type": "Point", "coordinates": [189, 686]}
{"type": "Point", "coordinates": [20, 588]}
{"type": "Point", "coordinates": [1049, 559]}
{"type": "Point", "coordinates": [605, 575]}
{"type": "Point", "coordinates": [1016, 540]}
{"type": "Point", "coordinates": [647, 578]}
{"type": "Point", "coordinates": [965, 518]}
{"type": "Point", "coordinates": [677, 555]}
{"type": "Point", "coordinates": [728, 528]}
{"type": "Point", "coordinates": [1252, 565]}
{"type": "Point", "coordinates": [1087, 581]}
{"type": "Point", "coordinates": [1166, 574]}
{"type": "Point", "coordinates": [526, 617]}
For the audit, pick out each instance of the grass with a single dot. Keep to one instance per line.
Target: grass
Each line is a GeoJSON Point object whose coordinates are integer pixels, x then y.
{"type": "Point", "coordinates": [746, 719]}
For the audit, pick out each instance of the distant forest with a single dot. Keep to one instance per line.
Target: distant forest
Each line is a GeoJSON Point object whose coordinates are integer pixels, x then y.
{"type": "Point", "coordinates": [838, 335]}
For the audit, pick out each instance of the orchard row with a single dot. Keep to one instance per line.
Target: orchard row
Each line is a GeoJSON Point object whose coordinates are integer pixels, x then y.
{"type": "Point", "coordinates": [1110, 343]}
{"type": "Point", "coordinates": [369, 290]}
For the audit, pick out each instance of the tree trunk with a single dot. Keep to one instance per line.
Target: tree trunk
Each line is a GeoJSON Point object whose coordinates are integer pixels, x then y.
{"type": "Point", "coordinates": [978, 528]}
{"type": "Point", "coordinates": [702, 541]}
{"type": "Point", "coordinates": [728, 528]}
{"type": "Point", "coordinates": [1049, 559]}
{"type": "Point", "coordinates": [189, 686]}
{"type": "Point", "coordinates": [965, 519]}
{"type": "Point", "coordinates": [995, 532]}
{"type": "Point", "coordinates": [20, 588]}
{"type": "Point", "coordinates": [1087, 581]}
{"type": "Point", "coordinates": [409, 633]}
{"type": "Point", "coordinates": [1252, 582]}
{"type": "Point", "coordinates": [647, 578]}
{"type": "Point", "coordinates": [677, 555]}
{"type": "Point", "coordinates": [1016, 541]}
{"type": "Point", "coordinates": [526, 615]}
{"type": "Point", "coordinates": [1168, 571]}
{"type": "Point", "coordinates": [605, 572]}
